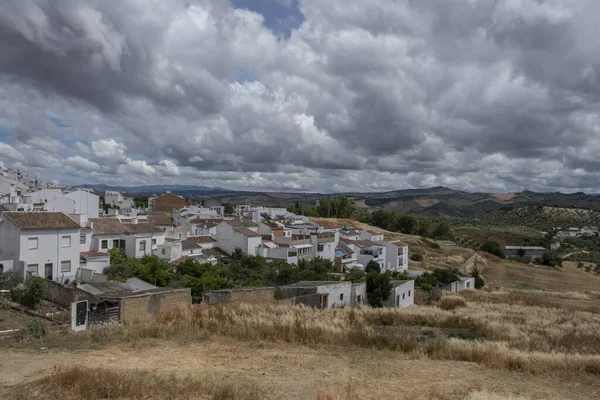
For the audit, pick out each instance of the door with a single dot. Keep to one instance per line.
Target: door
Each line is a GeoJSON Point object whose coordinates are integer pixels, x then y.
{"type": "Point", "coordinates": [48, 271]}
{"type": "Point", "coordinates": [397, 300]}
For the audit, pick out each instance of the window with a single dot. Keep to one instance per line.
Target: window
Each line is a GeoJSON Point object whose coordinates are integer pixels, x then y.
{"type": "Point", "coordinates": [320, 247]}
{"type": "Point", "coordinates": [342, 296]}
{"type": "Point", "coordinates": [32, 269]}
{"type": "Point", "coordinates": [115, 243]}
{"type": "Point", "coordinates": [409, 293]}
{"type": "Point", "coordinates": [153, 242]}
{"type": "Point", "coordinates": [163, 251]}
{"type": "Point", "coordinates": [468, 285]}
{"type": "Point", "coordinates": [32, 243]}
{"type": "Point", "coordinates": [82, 239]}
{"type": "Point", "coordinates": [403, 294]}
{"type": "Point", "coordinates": [104, 244]}
{"type": "Point", "coordinates": [65, 266]}
{"type": "Point", "coordinates": [143, 245]}
{"type": "Point", "coordinates": [65, 241]}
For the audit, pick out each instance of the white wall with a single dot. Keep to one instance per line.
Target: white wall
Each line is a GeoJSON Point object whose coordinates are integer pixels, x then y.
{"type": "Point", "coordinates": [334, 291]}
{"type": "Point", "coordinates": [87, 246]}
{"type": "Point", "coordinates": [97, 264]}
{"type": "Point", "coordinates": [10, 241]}
{"type": "Point", "coordinates": [45, 194]}
{"type": "Point", "coordinates": [50, 250]}
{"type": "Point", "coordinates": [172, 251]}
{"type": "Point", "coordinates": [359, 293]}
{"type": "Point", "coordinates": [61, 204]}
{"type": "Point", "coordinates": [403, 295]}
{"type": "Point", "coordinates": [85, 203]}
{"type": "Point", "coordinates": [365, 258]}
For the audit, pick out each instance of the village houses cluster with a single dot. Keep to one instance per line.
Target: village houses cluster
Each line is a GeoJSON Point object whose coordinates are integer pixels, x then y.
{"type": "Point", "coordinates": [64, 235]}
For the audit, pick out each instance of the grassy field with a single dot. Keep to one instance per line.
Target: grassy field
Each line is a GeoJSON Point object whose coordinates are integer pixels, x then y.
{"type": "Point", "coordinates": [478, 345]}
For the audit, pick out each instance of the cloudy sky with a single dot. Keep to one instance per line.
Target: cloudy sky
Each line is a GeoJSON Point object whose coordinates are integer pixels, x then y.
{"type": "Point", "coordinates": [315, 95]}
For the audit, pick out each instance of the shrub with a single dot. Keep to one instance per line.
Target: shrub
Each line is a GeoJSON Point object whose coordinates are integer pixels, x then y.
{"type": "Point", "coordinates": [9, 280]}
{"type": "Point", "coordinates": [430, 243]}
{"type": "Point", "coordinates": [416, 257]}
{"type": "Point", "coordinates": [278, 294]}
{"type": "Point", "coordinates": [29, 294]}
{"type": "Point", "coordinates": [451, 302]}
{"type": "Point", "coordinates": [493, 248]}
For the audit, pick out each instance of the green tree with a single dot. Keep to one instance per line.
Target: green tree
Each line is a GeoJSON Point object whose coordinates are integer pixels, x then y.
{"type": "Point", "coordinates": [355, 275]}
{"type": "Point", "coordinates": [379, 288]}
{"type": "Point", "coordinates": [155, 271]}
{"type": "Point", "coordinates": [237, 254]}
{"type": "Point", "coordinates": [493, 248]}
{"type": "Point", "coordinates": [228, 208]}
{"type": "Point", "coordinates": [406, 224]}
{"type": "Point", "coordinates": [372, 267]}
{"type": "Point", "coordinates": [29, 294]}
{"type": "Point", "coordinates": [479, 282]}
{"type": "Point", "coordinates": [9, 280]}
{"type": "Point", "coordinates": [335, 207]}
{"type": "Point", "coordinates": [442, 231]}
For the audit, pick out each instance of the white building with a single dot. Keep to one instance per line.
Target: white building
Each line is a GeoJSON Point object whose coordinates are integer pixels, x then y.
{"type": "Point", "coordinates": [403, 294]}
{"type": "Point", "coordinates": [370, 251]}
{"type": "Point", "coordinates": [86, 203]}
{"type": "Point", "coordinates": [396, 256]}
{"type": "Point", "coordinates": [118, 200]}
{"type": "Point", "coordinates": [350, 233]}
{"type": "Point", "coordinates": [134, 239]}
{"type": "Point", "coordinates": [358, 294]}
{"type": "Point", "coordinates": [324, 244]}
{"type": "Point", "coordinates": [42, 244]}
{"type": "Point", "coordinates": [374, 236]}
{"type": "Point", "coordinates": [333, 294]}
{"type": "Point", "coordinates": [238, 234]}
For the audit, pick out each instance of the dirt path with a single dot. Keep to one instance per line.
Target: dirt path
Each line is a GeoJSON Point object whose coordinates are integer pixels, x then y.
{"type": "Point", "coordinates": [287, 371]}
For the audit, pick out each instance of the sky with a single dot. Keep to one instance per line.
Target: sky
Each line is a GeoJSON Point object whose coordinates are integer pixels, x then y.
{"type": "Point", "coordinates": [312, 95]}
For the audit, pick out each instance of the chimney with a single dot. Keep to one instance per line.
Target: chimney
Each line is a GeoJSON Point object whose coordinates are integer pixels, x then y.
{"type": "Point", "coordinates": [134, 221]}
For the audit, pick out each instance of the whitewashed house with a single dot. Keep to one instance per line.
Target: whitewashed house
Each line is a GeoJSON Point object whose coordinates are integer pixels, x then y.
{"type": "Point", "coordinates": [324, 244]}
{"type": "Point", "coordinates": [374, 236]}
{"type": "Point", "coordinates": [134, 239]}
{"type": "Point", "coordinates": [42, 244]}
{"type": "Point", "coordinates": [367, 250]}
{"type": "Point", "coordinates": [325, 294]}
{"type": "Point", "coordinates": [86, 203]}
{"type": "Point", "coordinates": [396, 256]}
{"type": "Point", "coordinates": [402, 295]}
{"type": "Point", "coordinates": [350, 233]}
{"type": "Point", "coordinates": [234, 234]}
{"type": "Point", "coordinates": [118, 200]}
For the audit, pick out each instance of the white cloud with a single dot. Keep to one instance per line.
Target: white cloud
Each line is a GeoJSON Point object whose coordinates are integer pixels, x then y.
{"type": "Point", "coordinates": [10, 153]}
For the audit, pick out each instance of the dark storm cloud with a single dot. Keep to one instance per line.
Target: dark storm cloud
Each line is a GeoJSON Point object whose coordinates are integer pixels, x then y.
{"type": "Point", "coordinates": [369, 95]}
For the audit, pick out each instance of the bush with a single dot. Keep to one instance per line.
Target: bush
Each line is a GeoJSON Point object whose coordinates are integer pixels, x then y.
{"type": "Point", "coordinates": [9, 280]}
{"type": "Point", "coordinates": [416, 257]}
{"type": "Point", "coordinates": [29, 294]}
{"type": "Point", "coordinates": [278, 294]}
{"type": "Point", "coordinates": [430, 243]}
{"type": "Point", "coordinates": [493, 248]}
{"type": "Point", "coordinates": [451, 302]}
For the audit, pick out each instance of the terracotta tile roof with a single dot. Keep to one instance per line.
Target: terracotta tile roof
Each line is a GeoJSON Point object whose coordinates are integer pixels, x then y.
{"type": "Point", "coordinates": [236, 223]}
{"type": "Point", "coordinates": [247, 232]}
{"type": "Point", "coordinates": [160, 218]}
{"type": "Point", "coordinates": [189, 245]}
{"type": "Point", "coordinates": [201, 239]}
{"type": "Point", "coordinates": [208, 223]}
{"type": "Point", "coordinates": [399, 243]}
{"type": "Point", "coordinates": [110, 226]}
{"type": "Point", "coordinates": [40, 220]}
{"type": "Point", "coordinates": [372, 232]}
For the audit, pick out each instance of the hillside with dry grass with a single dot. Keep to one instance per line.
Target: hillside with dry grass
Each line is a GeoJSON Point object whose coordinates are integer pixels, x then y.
{"type": "Point", "coordinates": [479, 345]}
{"type": "Point", "coordinates": [532, 333]}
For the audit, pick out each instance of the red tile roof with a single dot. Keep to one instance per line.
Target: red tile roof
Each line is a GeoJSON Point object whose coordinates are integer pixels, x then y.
{"type": "Point", "coordinates": [40, 220]}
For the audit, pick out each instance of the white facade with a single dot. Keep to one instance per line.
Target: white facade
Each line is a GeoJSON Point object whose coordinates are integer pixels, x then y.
{"type": "Point", "coordinates": [402, 295]}
{"type": "Point", "coordinates": [375, 253]}
{"type": "Point", "coordinates": [339, 293]}
{"type": "Point", "coordinates": [396, 257]}
{"type": "Point", "coordinates": [229, 238]}
{"type": "Point", "coordinates": [48, 253]}
{"type": "Point", "coordinates": [86, 203]}
{"type": "Point", "coordinates": [169, 251]}
{"type": "Point", "coordinates": [371, 235]}
{"type": "Point", "coordinates": [359, 293]}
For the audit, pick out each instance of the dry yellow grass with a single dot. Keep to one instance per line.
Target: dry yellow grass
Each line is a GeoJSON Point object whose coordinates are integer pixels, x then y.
{"type": "Point", "coordinates": [99, 383]}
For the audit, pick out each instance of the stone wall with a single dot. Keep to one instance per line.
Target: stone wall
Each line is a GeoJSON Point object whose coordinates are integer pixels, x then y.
{"type": "Point", "coordinates": [146, 305]}
{"type": "Point", "coordinates": [240, 296]}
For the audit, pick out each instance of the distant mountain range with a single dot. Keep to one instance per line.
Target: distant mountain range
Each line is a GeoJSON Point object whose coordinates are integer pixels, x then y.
{"type": "Point", "coordinates": [437, 201]}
